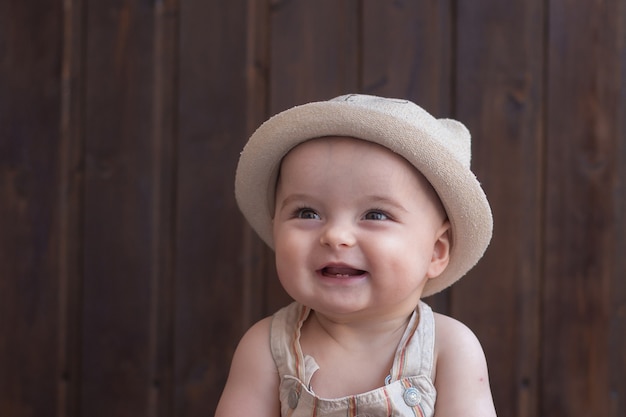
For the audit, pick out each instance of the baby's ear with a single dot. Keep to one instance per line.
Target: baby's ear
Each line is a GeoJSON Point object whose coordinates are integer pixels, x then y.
{"type": "Point", "coordinates": [441, 252]}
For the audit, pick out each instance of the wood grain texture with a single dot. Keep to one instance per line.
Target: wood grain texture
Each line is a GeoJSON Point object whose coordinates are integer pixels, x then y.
{"type": "Point", "coordinates": [582, 160]}
{"type": "Point", "coordinates": [71, 197]}
{"type": "Point", "coordinates": [407, 52]}
{"type": "Point", "coordinates": [258, 260]}
{"type": "Point", "coordinates": [30, 160]}
{"type": "Point", "coordinates": [122, 205]}
{"type": "Point", "coordinates": [314, 51]}
{"type": "Point", "coordinates": [209, 239]}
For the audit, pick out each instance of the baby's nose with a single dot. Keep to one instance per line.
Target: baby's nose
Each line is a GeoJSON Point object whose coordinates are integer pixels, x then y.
{"type": "Point", "coordinates": [337, 235]}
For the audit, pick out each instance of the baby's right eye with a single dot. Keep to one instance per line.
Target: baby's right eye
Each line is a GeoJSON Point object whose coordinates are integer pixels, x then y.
{"type": "Point", "coordinates": [307, 213]}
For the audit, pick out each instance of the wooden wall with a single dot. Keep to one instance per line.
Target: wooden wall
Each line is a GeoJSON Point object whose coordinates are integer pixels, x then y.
{"type": "Point", "coordinates": [127, 274]}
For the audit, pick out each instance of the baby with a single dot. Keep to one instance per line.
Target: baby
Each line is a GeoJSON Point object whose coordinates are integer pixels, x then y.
{"type": "Point", "coordinates": [370, 205]}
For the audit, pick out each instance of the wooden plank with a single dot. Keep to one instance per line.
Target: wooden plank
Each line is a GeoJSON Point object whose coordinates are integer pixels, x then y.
{"type": "Point", "coordinates": [164, 163]}
{"type": "Point", "coordinates": [314, 56]}
{"type": "Point", "coordinates": [125, 172]}
{"type": "Point", "coordinates": [314, 51]}
{"type": "Point", "coordinates": [30, 79]}
{"type": "Point", "coordinates": [71, 195]}
{"type": "Point", "coordinates": [617, 314]}
{"type": "Point", "coordinates": [498, 96]}
{"type": "Point", "coordinates": [583, 159]}
{"type": "Point", "coordinates": [258, 259]}
{"type": "Point", "coordinates": [407, 53]}
{"type": "Point", "coordinates": [212, 116]}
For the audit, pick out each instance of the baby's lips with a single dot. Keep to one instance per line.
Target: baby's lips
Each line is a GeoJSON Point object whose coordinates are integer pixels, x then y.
{"type": "Point", "coordinates": [342, 270]}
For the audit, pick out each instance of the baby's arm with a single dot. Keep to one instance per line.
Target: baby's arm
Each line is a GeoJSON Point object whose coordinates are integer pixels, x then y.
{"type": "Point", "coordinates": [462, 380]}
{"type": "Point", "coordinates": [252, 385]}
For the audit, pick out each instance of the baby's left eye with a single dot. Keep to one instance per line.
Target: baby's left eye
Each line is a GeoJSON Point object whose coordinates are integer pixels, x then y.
{"type": "Point", "coordinates": [375, 215]}
{"type": "Point", "coordinates": [307, 213]}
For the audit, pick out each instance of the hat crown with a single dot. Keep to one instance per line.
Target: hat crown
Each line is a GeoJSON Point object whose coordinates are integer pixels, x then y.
{"type": "Point", "coordinates": [452, 134]}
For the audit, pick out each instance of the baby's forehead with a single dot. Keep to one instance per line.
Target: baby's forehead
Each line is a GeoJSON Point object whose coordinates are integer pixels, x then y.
{"type": "Point", "coordinates": [329, 143]}
{"type": "Point", "coordinates": [355, 150]}
{"type": "Point", "coordinates": [353, 147]}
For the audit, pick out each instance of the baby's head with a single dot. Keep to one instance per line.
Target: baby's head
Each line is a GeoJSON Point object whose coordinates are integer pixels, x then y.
{"type": "Point", "coordinates": [438, 149]}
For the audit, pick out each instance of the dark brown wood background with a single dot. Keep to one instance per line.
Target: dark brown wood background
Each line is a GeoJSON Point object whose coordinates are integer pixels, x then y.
{"type": "Point", "coordinates": [127, 274]}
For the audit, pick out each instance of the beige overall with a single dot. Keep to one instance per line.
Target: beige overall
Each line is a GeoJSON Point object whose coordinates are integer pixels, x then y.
{"type": "Point", "coordinates": [408, 391]}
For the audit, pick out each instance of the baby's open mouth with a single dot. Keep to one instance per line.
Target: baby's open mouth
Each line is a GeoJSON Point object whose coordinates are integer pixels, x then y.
{"type": "Point", "coordinates": [341, 272]}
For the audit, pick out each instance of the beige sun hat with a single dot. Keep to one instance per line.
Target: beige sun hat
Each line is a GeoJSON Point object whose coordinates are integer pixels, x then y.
{"type": "Point", "coordinates": [439, 148]}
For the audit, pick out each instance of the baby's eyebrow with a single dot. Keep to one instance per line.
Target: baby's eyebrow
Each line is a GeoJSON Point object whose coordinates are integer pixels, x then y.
{"type": "Point", "coordinates": [380, 199]}
{"type": "Point", "coordinates": [292, 198]}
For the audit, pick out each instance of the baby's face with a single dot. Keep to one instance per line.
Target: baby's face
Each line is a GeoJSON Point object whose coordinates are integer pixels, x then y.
{"type": "Point", "coordinates": [357, 229]}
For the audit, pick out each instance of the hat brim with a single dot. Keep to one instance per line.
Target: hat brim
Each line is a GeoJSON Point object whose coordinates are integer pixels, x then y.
{"type": "Point", "coordinates": [460, 192]}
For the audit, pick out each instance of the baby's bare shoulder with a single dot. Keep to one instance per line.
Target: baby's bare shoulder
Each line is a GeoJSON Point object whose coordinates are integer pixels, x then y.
{"type": "Point", "coordinates": [461, 375]}
{"type": "Point", "coordinates": [455, 343]}
{"type": "Point", "coordinates": [253, 355]}
{"type": "Point", "coordinates": [450, 332]}
{"type": "Point", "coordinates": [253, 376]}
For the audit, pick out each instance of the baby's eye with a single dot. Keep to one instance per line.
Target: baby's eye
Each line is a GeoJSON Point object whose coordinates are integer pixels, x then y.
{"type": "Point", "coordinates": [376, 215]}
{"type": "Point", "coordinates": [306, 213]}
